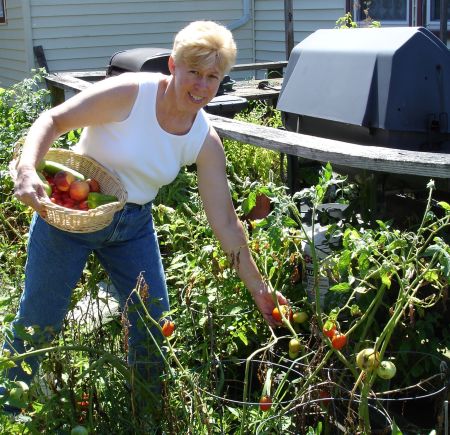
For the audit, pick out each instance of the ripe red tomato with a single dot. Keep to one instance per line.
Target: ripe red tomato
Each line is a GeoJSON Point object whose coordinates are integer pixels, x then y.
{"type": "Point", "coordinates": [94, 186]}
{"type": "Point", "coordinates": [168, 328]}
{"type": "Point", "coordinates": [265, 403]}
{"type": "Point", "coordinates": [329, 329]}
{"type": "Point", "coordinates": [324, 397]}
{"type": "Point", "coordinates": [339, 340]}
{"type": "Point", "coordinates": [285, 310]}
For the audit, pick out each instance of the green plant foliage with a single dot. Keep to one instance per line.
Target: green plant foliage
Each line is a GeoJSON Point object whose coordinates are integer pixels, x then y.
{"type": "Point", "coordinates": [387, 290]}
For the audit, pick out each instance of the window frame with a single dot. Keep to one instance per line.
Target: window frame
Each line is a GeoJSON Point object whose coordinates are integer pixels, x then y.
{"type": "Point", "coordinates": [385, 23]}
{"type": "Point", "coordinates": [2, 11]}
{"type": "Point", "coordinates": [431, 24]}
{"type": "Point", "coordinates": [423, 12]}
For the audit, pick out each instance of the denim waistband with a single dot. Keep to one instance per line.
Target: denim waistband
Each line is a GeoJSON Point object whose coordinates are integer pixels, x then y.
{"type": "Point", "coordinates": [131, 205]}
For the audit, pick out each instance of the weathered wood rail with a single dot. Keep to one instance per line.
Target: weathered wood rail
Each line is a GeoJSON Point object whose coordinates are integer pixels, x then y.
{"type": "Point", "coordinates": [338, 153]}
{"type": "Point", "coordinates": [373, 158]}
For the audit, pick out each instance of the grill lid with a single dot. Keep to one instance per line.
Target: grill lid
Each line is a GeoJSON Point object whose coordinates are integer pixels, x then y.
{"type": "Point", "coordinates": [150, 59]}
{"type": "Point", "coordinates": [385, 86]}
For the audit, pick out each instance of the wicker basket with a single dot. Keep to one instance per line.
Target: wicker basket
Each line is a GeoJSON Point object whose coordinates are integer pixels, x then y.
{"type": "Point", "coordinates": [76, 221]}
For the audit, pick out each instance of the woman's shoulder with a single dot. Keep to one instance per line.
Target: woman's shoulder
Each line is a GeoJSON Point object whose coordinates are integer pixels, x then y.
{"type": "Point", "coordinates": [147, 77]}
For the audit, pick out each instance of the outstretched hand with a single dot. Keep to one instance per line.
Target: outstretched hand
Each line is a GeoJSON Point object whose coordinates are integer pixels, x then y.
{"type": "Point", "coordinates": [264, 300]}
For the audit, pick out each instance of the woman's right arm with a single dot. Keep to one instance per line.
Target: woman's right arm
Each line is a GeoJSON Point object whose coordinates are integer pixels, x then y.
{"type": "Point", "coordinates": [106, 101]}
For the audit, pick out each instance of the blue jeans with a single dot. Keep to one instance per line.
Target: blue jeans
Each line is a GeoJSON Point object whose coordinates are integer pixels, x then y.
{"type": "Point", "coordinates": [55, 261]}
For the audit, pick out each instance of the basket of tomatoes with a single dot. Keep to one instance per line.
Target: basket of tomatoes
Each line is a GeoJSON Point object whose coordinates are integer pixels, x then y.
{"type": "Point", "coordinates": [82, 195]}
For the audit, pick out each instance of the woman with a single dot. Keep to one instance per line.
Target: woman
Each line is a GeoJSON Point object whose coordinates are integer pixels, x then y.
{"type": "Point", "coordinates": [144, 127]}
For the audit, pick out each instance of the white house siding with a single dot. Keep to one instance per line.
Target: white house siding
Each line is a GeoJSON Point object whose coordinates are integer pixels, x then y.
{"type": "Point", "coordinates": [80, 35]}
{"type": "Point", "coordinates": [83, 34]}
{"type": "Point", "coordinates": [14, 64]}
{"type": "Point", "coordinates": [308, 16]}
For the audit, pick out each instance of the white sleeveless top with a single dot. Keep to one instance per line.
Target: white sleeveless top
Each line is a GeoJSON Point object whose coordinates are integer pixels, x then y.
{"type": "Point", "coordinates": [142, 154]}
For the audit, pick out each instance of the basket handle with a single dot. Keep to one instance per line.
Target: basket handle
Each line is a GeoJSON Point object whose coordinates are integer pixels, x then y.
{"type": "Point", "coordinates": [12, 167]}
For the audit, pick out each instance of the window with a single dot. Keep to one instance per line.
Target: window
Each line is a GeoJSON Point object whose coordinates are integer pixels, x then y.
{"type": "Point", "coordinates": [435, 10]}
{"type": "Point", "coordinates": [2, 12]}
{"type": "Point", "coordinates": [399, 12]}
{"type": "Point", "coordinates": [389, 12]}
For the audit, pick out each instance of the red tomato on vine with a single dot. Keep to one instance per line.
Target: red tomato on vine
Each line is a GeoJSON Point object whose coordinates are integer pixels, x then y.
{"type": "Point", "coordinates": [168, 328]}
{"type": "Point", "coordinates": [339, 340]}
{"type": "Point", "coordinates": [265, 403]}
{"type": "Point", "coordinates": [285, 310]}
{"type": "Point", "coordinates": [329, 329]}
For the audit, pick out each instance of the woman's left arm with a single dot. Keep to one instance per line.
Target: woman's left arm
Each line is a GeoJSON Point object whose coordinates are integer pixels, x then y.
{"type": "Point", "coordinates": [216, 197]}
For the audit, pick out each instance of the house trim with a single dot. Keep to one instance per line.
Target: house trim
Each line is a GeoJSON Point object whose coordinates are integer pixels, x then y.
{"type": "Point", "coordinates": [27, 34]}
{"type": "Point", "coordinates": [3, 16]}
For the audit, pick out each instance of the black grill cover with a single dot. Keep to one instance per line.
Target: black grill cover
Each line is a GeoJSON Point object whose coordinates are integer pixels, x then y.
{"type": "Point", "coordinates": [150, 59]}
{"type": "Point", "coordinates": [375, 86]}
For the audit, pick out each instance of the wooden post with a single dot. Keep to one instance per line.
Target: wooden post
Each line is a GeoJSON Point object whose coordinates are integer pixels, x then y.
{"type": "Point", "coordinates": [57, 95]}
{"type": "Point", "coordinates": [289, 26]}
{"type": "Point", "coordinates": [292, 161]}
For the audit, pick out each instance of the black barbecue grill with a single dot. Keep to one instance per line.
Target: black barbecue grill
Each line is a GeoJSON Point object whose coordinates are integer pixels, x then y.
{"type": "Point", "coordinates": [373, 86]}
{"type": "Point", "coordinates": [150, 59]}
{"type": "Point", "coordinates": [154, 59]}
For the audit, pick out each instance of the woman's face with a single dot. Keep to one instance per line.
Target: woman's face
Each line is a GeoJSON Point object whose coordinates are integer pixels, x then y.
{"type": "Point", "coordinates": [195, 87]}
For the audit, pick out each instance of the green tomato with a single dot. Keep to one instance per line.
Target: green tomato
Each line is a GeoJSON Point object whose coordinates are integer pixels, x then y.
{"type": "Point", "coordinates": [79, 430]}
{"type": "Point", "coordinates": [294, 345]}
{"type": "Point", "coordinates": [386, 370]}
{"type": "Point", "coordinates": [300, 317]}
{"type": "Point", "coordinates": [19, 392]}
{"type": "Point", "coordinates": [368, 359]}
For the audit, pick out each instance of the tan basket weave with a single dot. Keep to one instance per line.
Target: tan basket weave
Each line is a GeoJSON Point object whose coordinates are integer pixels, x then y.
{"type": "Point", "coordinates": [77, 221]}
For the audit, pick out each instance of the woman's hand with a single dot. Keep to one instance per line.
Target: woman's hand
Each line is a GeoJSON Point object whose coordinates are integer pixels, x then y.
{"type": "Point", "coordinates": [264, 300]}
{"type": "Point", "coordinates": [29, 189]}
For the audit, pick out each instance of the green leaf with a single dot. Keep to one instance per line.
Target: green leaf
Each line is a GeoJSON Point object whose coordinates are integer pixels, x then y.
{"type": "Point", "coordinates": [444, 205]}
{"type": "Point", "coordinates": [26, 367]}
{"type": "Point", "coordinates": [234, 411]}
{"type": "Point", "coordinates": [234, 309]}
{"type": "Point", "coordinates": [342, 287]}
{"type": "Point", "coordinates": [272, 270]}
{"type": "Point", "coordinates": [249, 203]}
{"type": "Point", "coordinates": [443, 255]}
{"type": "Point", "coordinates": [395, 429]}
{"type": "Point", "coordinates": [355, 310]}
{"type": "Point", "coordinates": [344, 261]}
{"type": "Point", "coordinates": [6, 363]}
{"type": "Point", "coordinates": [381, 224]}
{"type": "Point", "coordinates": [385, 278]}
{"type": "Point", "coordinates": [243, 337]}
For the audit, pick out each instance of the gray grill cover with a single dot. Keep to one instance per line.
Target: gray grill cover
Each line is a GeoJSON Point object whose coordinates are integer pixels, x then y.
{"type": "Point", "coordinates": [383, 86]}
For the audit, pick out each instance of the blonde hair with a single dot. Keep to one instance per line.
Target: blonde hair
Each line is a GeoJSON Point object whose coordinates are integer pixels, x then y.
{"type": "Point", "coordinates": [205, 44]}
